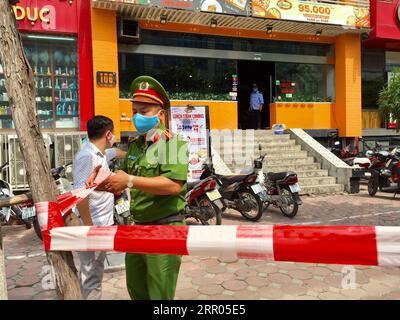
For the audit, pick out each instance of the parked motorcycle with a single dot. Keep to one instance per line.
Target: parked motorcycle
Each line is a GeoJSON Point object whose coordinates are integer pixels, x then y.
{"type": "Point", "coordinates": [63, 185]}
{"type": "Point", "coordinates": [279, 189]}
{"type": "Point", "coordinates": [385, 170]}
{"type": "Point", "coordinates": [239, 192]}
{"type": "Point", "coordinates": [204, 202]}
{"type": "Point", "coordinates": [17, 212]}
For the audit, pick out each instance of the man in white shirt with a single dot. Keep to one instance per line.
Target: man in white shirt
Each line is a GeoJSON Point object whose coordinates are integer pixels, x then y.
{"type": "Point", "coordinates": [98, 208]}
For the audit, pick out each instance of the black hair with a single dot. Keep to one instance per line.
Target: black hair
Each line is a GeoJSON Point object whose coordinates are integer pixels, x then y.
{"type": "Point", "coordinates": [98, 126]}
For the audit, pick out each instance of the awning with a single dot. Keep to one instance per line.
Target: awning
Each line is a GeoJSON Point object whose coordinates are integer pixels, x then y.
{"type": "Point", "coordinates": [153, 14]}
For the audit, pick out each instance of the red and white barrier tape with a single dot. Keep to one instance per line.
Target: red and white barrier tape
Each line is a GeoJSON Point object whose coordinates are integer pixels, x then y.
{"type": "Point", "coordinates": [354, 245]}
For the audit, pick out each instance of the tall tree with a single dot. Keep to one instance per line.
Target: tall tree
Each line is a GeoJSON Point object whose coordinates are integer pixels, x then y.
{"type": "Point", "coordinates": [20, 88]}
{"type": "Point", "coordinates": [389, 99]}
{"type": "Point", "coordinates": [3, 282]}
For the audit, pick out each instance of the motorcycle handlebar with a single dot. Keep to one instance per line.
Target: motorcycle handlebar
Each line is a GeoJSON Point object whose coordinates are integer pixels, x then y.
{"type": "Point", "coordinates": [5, 165]}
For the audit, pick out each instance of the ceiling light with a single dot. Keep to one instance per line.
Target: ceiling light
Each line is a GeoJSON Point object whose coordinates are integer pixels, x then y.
{"type": "Point", "coordinates": [269, 29]}
{"type": "Point", "coordinates": [31, 36]}
{"type": "Point", "coordinates": [213, 23]}
{"type": "Point", "coordinates": [318, 33]}
{"type": "Point", "coordinates": [163, 18]}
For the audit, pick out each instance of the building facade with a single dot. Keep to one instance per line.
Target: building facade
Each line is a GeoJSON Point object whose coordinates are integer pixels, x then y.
{"type": "Point", "coordinates": [57, 41]}
{"type": "Point", "coordinates": [305, 57]}
{"type": "Point", "coordinates": [380, 55]}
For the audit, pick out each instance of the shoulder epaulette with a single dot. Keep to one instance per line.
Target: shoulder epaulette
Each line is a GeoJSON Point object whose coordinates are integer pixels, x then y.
{"type": "Point", "coordinates": [167, 134]}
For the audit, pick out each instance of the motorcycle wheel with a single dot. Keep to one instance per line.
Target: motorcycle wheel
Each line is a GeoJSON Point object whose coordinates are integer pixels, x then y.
{"type": "Point", "coordinates": [213, 211]}
{"type": "Point", "coordinates": [255, 212]}
{"type": "Point", "coordinates": [372, 186]}
{"type": "Point", "coordinates": [36, 227]}
{"type": "Point", "coordinates": [291, 209]}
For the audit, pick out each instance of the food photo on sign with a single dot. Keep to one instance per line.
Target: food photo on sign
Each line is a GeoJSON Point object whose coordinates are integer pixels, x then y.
{"type": "Point", "coordinates": [237, 7]}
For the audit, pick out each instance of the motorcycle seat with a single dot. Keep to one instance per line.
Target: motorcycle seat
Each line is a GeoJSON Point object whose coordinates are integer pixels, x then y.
{"type": "Point", "coordinates": [279, 175]}
{"type": "Point", "coordinates": [191, 184]}
{"type": "Point", "coordinates": [227, 180]}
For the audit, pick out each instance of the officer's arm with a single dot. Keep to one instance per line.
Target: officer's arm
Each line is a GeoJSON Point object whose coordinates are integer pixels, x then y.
{"type": "Point", "coordinates": [161, 185]}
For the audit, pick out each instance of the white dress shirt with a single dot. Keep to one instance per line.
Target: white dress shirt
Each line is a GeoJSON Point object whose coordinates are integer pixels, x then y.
{"type": "Point", "coordinates": [101, 204]}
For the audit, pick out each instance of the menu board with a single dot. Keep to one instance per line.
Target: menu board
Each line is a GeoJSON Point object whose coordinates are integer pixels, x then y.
{"type": "Point", "coordinates": [312, 12]}
{"type": "Point", "coordinates": [237, 7]}
{"type": "Point", "coordinates": [191, 123]}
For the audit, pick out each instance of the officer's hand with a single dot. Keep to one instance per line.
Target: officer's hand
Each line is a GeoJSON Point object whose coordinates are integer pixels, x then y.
{"type": "Point", "coordinates": [117, 183]}
{"type": "Point", "coordinates": [90, 181]}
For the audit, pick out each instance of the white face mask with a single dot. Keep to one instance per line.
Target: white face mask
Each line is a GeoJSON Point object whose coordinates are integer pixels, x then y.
{"type": "Point", "coordinates": [112, 140]}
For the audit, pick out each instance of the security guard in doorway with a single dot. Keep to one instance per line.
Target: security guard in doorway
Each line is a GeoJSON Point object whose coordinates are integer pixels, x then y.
{"type": "Point", "coordinates": [155, 170]}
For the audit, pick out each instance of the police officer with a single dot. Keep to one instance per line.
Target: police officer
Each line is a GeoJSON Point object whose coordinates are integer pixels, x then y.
{"type": "Point", "coordinates": [155, 170]}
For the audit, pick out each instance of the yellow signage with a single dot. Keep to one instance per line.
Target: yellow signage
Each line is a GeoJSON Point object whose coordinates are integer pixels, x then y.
{"type": "Point", "coordinates": [309, 11]}
{"type": "Point", "coordinates": [32, 14]}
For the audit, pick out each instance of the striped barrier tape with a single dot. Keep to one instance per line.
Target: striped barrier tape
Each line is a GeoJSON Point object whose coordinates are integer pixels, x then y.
{"type": "Point", "coordinates": [354, 245]}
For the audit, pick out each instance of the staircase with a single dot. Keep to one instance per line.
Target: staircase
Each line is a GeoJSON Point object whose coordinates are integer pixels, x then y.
{"type": "Point", "coordinates": [282, 154]}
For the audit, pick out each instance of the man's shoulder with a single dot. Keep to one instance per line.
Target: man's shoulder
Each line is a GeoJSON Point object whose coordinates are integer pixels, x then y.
{"type": "Point", "coordinates": [84, 154]}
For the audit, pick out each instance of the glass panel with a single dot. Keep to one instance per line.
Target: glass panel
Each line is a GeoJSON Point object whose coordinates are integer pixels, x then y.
{"type": "Point", "coordinates": [373, 76]}
{"type": "Point", "coordinates": [188, 40]}
{"type": "Point", "coordinates": [183, 78]}
{"type": "Point", "coordinates": [55, 68]}
{"type": "Point", "coordinates": [301, 82]}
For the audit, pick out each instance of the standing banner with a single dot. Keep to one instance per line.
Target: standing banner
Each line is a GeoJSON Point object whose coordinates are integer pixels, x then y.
{"type": "Point", "coordinates": [317, 12]}
{"type": "Point", "coordinates": [192, 124]}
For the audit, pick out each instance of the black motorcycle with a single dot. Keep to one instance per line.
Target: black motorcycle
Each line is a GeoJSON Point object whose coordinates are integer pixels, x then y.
{"type": "Point", "coordinates": [237, 192]}
{"type": "Point", "coordinates": [281, 189]}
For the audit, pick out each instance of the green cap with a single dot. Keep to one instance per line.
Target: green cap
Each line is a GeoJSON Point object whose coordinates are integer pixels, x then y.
{"type": "Point", "coordinates": [149, 90]}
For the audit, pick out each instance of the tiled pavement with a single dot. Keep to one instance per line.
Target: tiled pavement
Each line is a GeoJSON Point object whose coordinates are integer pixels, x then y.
{"type": "Point", "coordinates": [209, 278]}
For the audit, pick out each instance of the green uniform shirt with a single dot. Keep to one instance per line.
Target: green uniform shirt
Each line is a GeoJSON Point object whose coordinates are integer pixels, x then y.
{"type": "Point", "coordinates": [161, 156]}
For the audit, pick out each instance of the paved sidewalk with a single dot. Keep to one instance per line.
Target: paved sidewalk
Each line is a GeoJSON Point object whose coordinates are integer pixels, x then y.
{"type": "Point", "coordinates": [211, 279]}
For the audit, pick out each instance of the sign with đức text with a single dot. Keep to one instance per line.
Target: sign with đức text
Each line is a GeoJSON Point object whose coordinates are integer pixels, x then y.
{"type": "Point", "coordinates": [45, 15]}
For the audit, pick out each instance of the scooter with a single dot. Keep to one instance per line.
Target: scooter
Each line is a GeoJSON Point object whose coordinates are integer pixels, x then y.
{"type": "Point", "coordinates": [204, 202]}
{"type": "Point", "coordinates": [279, 189]}
{"type": "Point", "coordinates": [385, 171]}
{"type": "Point", "coordinates": [17, 212]}
{"type": "Point", "coordinates": [238, 192]}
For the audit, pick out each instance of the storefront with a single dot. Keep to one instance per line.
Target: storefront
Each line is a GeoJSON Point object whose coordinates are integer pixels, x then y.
{"type": "Point", "coordinates": [57, 43]}
{"type": "Point", "coordinates": [304, 57]}
{"type": "Point", "coordinates": [380, 54]}
{"type": "Point", "coordinates": [56, 35]}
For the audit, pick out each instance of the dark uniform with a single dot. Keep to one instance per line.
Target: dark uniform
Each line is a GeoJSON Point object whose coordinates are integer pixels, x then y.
{"type": "Point", "coordinates": [154, 276]}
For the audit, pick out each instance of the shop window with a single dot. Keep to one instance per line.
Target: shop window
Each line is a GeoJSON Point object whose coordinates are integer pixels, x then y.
{"type": "Point", "coordinates": [55, 68]}
{"type": "Point", "coordinates": [302, 82]}
{"type": "Point", "coordinates": [187, 40]}
{"type": "Point", "coordinates": [373, 76]}
{"type": "Point", "coordinates": [184, 78]}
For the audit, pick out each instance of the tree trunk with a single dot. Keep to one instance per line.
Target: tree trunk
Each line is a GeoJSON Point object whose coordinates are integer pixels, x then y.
{"type": "Point", "coordinates": [3, 281]}
{"type": "Point", "coordinates": [20, 87]}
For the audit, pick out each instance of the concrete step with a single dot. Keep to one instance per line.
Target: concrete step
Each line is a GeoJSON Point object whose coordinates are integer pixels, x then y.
{"type": "Point", "coordinates": [235, 155]}
{"type": "Point", "coordinates": [249, 131]}
{"type": "Point", "coordinates": [281, 167]}
{"type": "Point", "coordinates": [264, 145]}
{"type": "Point", "coordinates": [322, 189]}
{"type": "Point", "coordinates": [295, 160]}
{"type": "Point", "coordinates": [250, 141]}
{"type": "Point", "coordinates": [312, 173]}
{"type": "Point", "coordinates": [316, 181]}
